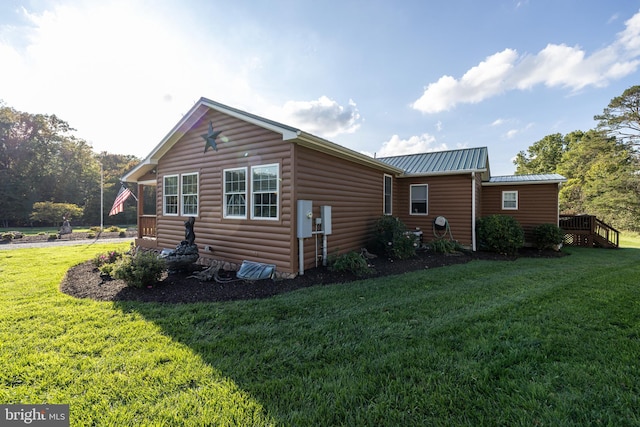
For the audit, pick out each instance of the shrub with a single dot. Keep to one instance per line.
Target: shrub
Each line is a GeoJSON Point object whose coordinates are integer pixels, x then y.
{"type": "Point", "coordinates": [95, 229]}
{"type": "Point", "coordinates": [91, 235]}
{"type": "Point", "coordinates": [499, 233]}
{"type": "Point", "coordinates": [393, 239]}
{"type": "Point", "coordinates": [7, 236]}
{"type": "Point", "coordinates": [352, 262]}
{"type": "Point", "coordinates": [547, 236]}
{"type": "Point", "coordinates": [113, 229]}
{"type": "Point", "coordinates": [142, 269]}
{"type": "Point", "coordinates": [123, 233]}
{"type": "Point", "coordinates": [444, 246]}
{"type": "Point", "coordinates": [106, 258]}
{"type": "Point", "coordinates": [53, 236]}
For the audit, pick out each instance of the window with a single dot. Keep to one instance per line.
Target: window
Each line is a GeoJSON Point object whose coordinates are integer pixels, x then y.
{"type": "Point", "coordinates": [190, 194]}
{"type": "Point", "coordinates": [170, 195]}
{"type": "Point", "coordinates": [235, 193]}
{"type": "Point", "coordinates": [388, 200]}
{"type": "Point", "coordinates": [510, 200]}
{"type": "Point", "coordinates": [419, 199]}
{"type": "Point", "coordinates": [264, 191]}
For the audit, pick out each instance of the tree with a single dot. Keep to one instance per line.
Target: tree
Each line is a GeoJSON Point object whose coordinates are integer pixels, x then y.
{"type": "Point", "coordinates": [54, 213]}
{"type": "Point", "coordinates": [601, 179]}
{"type": "Point", "coordinates": [543, 156]}
{"type": "Point", "coordinates": [621, 118]}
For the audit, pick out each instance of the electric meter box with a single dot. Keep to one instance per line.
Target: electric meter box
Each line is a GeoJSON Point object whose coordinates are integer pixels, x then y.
{"type": "Point", "coordinates": [304, 219]}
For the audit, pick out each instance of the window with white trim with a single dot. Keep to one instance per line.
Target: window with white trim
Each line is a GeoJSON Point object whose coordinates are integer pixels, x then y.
{"type": "Point", "coordinates": [170, 195]}
{"type": "Point", "coordinates": [265, 184]}
{"type": "Point", "coordinates": [189, 191]}
{"type": "Point", "coordinates": [235, 193]}
{"type": "Point", "coordinates": [388, 195]}
{"type": "Point", "coordinates": [419, 199]}
{"type": "Point", "coordinates": [509, 200]}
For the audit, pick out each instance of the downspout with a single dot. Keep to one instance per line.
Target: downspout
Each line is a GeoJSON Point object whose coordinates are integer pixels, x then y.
{"type": "Point", "coordinates": [473, 211]}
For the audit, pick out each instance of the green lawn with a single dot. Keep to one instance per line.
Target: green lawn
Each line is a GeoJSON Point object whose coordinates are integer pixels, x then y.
{"type": "Point", "coordinates": [530, 342]}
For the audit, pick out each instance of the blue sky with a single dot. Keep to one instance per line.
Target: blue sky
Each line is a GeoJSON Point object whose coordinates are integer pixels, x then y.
{"type": "Point", "coordinates": [380, 77]}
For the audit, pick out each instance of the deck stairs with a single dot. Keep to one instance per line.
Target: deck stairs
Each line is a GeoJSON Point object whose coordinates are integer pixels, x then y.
{"type": "Point", "coordinates": [588, 231]}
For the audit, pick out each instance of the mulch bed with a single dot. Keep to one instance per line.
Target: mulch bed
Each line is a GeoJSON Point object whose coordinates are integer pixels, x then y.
{"type": "Point", "coordinates": [84, 280]}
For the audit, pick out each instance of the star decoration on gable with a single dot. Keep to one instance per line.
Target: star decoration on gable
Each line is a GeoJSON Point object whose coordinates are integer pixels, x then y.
{"type": "Point", "coordinates": [210, 138]}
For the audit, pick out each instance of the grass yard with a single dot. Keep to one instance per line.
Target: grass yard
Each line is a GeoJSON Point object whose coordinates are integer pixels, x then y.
{"type": "Point", "coordinates": [529, 342]}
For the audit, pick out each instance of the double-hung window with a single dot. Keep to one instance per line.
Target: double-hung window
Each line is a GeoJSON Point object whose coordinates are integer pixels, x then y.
{"type": "Point", "coordinates": [170, 195]}
{"type": "Point", "coordinates": [510, 200]}
{"type": "Point", "coordinates": [235, 193]}
{"type": "Point", "coordinates": [265, 186]}
{"type": "Point", "coordinates": [419, 199]}
{"type": "Point", "coordinates": [180, 194]}
{"type": "Point", "coordinates": [388, 199]}
{"type": "Point", "coordinates": [189, 194]}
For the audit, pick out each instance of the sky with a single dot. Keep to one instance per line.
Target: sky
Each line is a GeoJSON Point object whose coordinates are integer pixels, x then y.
{"type": "Point", "coordinates": [380, 77]}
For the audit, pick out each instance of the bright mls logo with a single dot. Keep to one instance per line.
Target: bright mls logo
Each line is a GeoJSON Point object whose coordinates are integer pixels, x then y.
{"type": "Point", "coordinates": [35, 415]}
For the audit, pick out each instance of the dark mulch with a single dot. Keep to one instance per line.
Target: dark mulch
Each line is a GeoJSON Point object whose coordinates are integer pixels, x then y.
{"type": "Point", "coordinates": [84, 281]}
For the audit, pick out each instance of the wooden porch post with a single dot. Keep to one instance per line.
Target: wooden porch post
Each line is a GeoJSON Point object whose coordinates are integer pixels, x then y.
{"type": "Point", "coordinates": [140, 208]}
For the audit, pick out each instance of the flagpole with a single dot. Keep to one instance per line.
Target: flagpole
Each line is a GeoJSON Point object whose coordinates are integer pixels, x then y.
{"type": "Point", "coordinates": [101, 198]}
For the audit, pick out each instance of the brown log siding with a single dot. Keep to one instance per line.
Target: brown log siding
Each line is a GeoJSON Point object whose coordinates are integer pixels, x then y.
{"type": "Point", "coordinates": [537, 204]}
{"type": "Point", "coordinates": [233, 240]}
{"type": "Point", "coordinates": [353, 191]}
{"type": "Point", "coordinates": [449, 196]}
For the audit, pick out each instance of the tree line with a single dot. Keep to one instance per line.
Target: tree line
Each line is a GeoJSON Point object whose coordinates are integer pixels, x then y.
{"type": "Point", "coordinates": [602, 165]}
{"type": "Point", "coordinates": [42, 161]}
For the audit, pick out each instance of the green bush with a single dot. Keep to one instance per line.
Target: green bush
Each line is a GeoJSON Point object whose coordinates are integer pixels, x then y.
{"type": "Point", "coordinates": [95, 229]}
{"type": "Point", "coordinates": [123, 233]}
{"type": "Point", "coordinates": [142, 269]}
{"type": "Point", "coordinates": [393, 239]}
{"type": "Point", "coordinates": [499, 233]}
{"type": "Point", "coordinates": [106, 258]}
{"type": "Point", "coordinates": [547, 236]}
{"type": "Point", "coordinates": [352, 262]}
{"type": "Point", "coordinates": [444, 246]}
{"type": "Point", "coordinates": [91, 235]}
{"type": "Point", "coordinates": [53, 236]}
{"type": "Point", "coordinates": [7, 236]}
{"type": "Point", "coordinates": [113, 229]}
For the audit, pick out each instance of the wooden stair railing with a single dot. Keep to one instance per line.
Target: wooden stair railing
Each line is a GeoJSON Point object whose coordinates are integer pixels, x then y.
{"type": "Point", "coordinates": [587, 230]}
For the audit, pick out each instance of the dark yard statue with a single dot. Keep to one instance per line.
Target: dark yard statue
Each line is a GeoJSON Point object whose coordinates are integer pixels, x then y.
{"type": "Point", "coordinates": [186, 253]}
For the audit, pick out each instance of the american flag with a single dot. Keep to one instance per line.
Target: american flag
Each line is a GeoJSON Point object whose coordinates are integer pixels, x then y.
{"type": "Point", "coordinates": [118, 204]}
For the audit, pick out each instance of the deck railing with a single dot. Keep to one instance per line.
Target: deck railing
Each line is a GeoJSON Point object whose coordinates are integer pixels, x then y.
{"type": "Point", "coordinates": [587, 230]}
{"type": "Point", "coordinates": [147, 226]}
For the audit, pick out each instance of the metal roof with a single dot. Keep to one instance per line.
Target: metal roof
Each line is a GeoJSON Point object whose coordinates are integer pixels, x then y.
{"type": "Point", "coordinates": [441, 162]}
{"type": "Point", "coordinates": [528, 179]}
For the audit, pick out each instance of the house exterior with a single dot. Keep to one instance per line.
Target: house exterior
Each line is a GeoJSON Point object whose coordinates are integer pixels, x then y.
{"type": "Point", "coordinates": [259, 191]}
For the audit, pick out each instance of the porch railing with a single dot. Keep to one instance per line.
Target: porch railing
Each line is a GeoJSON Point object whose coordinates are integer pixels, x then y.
{"type": "Point", "coordinates": [147, 226]}
{"type": "Point", "coordinates": [587, 230]}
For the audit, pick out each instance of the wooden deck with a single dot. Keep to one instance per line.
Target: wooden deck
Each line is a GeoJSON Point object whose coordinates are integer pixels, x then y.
{"type": "Point", "coordinates": [588, 231]}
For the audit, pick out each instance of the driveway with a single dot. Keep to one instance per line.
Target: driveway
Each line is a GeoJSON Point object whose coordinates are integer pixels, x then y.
{"type": "Point", "coordinates": [48, 244]}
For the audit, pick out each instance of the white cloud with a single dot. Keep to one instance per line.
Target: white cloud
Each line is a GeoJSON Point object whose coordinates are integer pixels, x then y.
{"type": "Point", "coordinates": [125, 73]}
{"type": "Point", "coordinates": [557, 65]}
{"type": "Point", "coordinates": [497, 122]}
{"type": "Point", "coordinates": [415, 144]}
{"type": "Point", "coordinates": [323, 117]}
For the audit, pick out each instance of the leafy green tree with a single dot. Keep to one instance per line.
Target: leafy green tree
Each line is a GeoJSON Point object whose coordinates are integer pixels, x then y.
{"type": "Point", "coordinates": [621, 118]}
{"type": "Point", "coordinates": [601, 179]}
{"type": "Point", "coordinates": [51, 213]}
{"type": "Point", "coordinates": [543, 156]}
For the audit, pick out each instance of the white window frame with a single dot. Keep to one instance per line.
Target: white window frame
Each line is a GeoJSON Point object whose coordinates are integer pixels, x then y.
{"type": "Point", "coordinates": [254, 193]}
{"type": "Point", "coordinates": [165, 195]}
{"type": "Point", "coordinates": [242, 194]}
{"type": "Point", "coordinates": [504, 200]}
{"type": "Point", "coordinates": [411, 200]}
{"type": "Point", "coordinates": [387, 210]}
{"type": "Point", "coordinates": [184, 195]}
